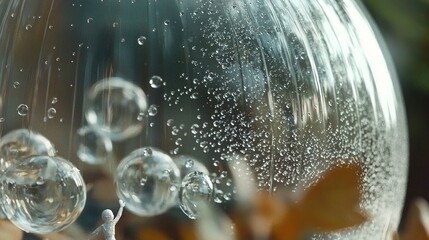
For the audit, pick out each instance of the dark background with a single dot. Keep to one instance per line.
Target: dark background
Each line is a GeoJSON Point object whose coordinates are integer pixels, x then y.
{"type": "Point", "coordinates": [404, 25]}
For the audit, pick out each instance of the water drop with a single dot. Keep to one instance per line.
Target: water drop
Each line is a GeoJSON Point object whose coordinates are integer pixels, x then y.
{"type": "Point", "coordinates": [196, 189]}
{"type": "Point", "coordinates": [22, 109]}
{"type": "Point", "coordinates": [28, 27]}
{"type": "Point", "coordinates": [153, 110]}
{"type": "Point", "coordinates": [89, 20]}
{"type": "Point", "coordinates": [155, 197]}
{"type": "Point", "coordinates": [115, 24]}
{"type": "Point", "coordinates": [156, 81]}
{"type": "Point", "coordinates": [167, 22]}
{"type": "Point", "coordinates": [51, 113]}
{"type": "Point", "coordinates": [39, 202]}
{"type": "Point", "coordinates": [141, 40]}
{"type": "Point", "coordinates": [16, 84]}
{"type": "Point", "coordinates": [188, 164]}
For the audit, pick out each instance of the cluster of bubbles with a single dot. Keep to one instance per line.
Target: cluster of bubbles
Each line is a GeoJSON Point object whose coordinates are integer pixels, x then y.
{"type": "Point", "coordinates": [40, 192]}
{"type": "Point", "coordinates": [149, 181]}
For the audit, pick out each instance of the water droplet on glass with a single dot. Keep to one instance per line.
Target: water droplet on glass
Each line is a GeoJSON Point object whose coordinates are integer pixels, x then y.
{"type": "Point", "coordinates": [16, 84]}
{"type": "Point", "coordinates": [196, 189]}
{"type": "Point", "coordinates": [143, 181]}
{"type": "Point", "coordinates": [155, 197]}
{"type": "Point", "coordinates": [28, 27]}
{"type": "Point", "coordinates": [89, 20]}
{"type": "Point", "coordinates": [153, 110]}
{"type": "Point", "coordinates": [115, 24]}
{"type": "Point", "coordinates": [116, 115]}
{"type": "Point", "coordinates": [141, 40]}
{"type": "Point", "coordinates": [38, 202]}
{"type": "Point", "coordinates": [54, 100]}
{"type": "Point", "coordinates": [51, 113]}
{"type": "Point", "coordinates": [188, 164]}
{"type": "Point", "coordinates": [166, 22]}
{"type": "Point", "coordinates": [22, 109]}
{"type": "Point", "coordinates": [140, 117]}
{"type": "Point", "coordinates": [156, 81]}
{"type": "Point", "coordinates": [170, 122]}
{"type": "Point", "coordinates": [94, 146]}
{"type": "Point", "coordinates": [40, 180]}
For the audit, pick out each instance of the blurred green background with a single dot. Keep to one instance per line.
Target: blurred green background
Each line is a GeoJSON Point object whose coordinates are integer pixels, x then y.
{"type": "Point", "coordinates": [404, 25]}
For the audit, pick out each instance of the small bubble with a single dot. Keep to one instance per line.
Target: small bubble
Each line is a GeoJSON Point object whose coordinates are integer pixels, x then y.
{"type": "Point", "coordinates": [28, 27]}
{"type": "Point", "coordinates": [153, 110]}
{"type": "Point", "coordinates": [167, 22]}
{"type": "Point", "coordinates": [51, 113]}
{"type": "Point", "coordinates": [16, 84]}
{"type": "Point", "coordinates": [54, 100]}
{"type": "Point", "coordinates": [89, 20]}
{"type": "Point", "coordinates": [170, 122]}
{"type": "Point", "coordinates": [140, 117]}
{"type": "Point", "coordinates": [189, 163]}
{"type": "Point", "coordinates": [156, 81]}
{"type": "Point", "coordinates": [115, 24]}
{"type": "Point", "coordinates": [143, 181]}
{"type": "Point", "coordinates": [40, 181]}
{"type": "Point", "coordinates": [147, 152]}
{"type": "Point", "coordinates": [216, 163]}
{"type": "Point", "coordinates": [2, 119]}
{"type": "Point", "coordinates": [22, 109]}
{"type": "Point", "coordinates": [194, 95]}
{"type": "Point", "coordinates": [51, 27]}
{"type": "Point", "coordinates": [141, 40]}
{"type": "Point", "coordinates": [173, 188]}
{"type": "Point", "coordinates": [122, 40]}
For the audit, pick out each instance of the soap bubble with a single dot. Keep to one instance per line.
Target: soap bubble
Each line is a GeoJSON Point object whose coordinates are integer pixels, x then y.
{"type": "Point", "coordinates": [147, 181]}
{"type": "Point", "coordinates": [43, 194]}
{"type": "Point", "coordinates": [196, 189]}
{"type": "Point", "coordinates": [187, 164]}
{"type": "Point", "coordinates": [21, 143]}
{"type": "Point", "coordinates": [113, 106]}
{"type": "Point", "coordinates": [95, 147]}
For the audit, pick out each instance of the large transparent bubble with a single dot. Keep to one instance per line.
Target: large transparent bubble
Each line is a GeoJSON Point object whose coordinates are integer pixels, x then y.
{"type": "Point", "coordinates": [292, 87]}
{"type": "Point", "coordinates": [148, 182]}
{"type": "Point", "coordinates": [22, 143]}
{"type": "Point", "coordinates": [43, 194]}
{"type": "Point", "coordinates": [115, 107]}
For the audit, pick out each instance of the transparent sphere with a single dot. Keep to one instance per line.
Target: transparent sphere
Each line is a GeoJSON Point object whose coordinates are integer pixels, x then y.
{"type": "Point", "coordinates": [43, 194]}
{"type": "Point", "coordinates": [294, 87]}
{"type": "Point", "coordinates": [148, 181]}
{"type": "Point", "coordinates": [95, 147]}
{"type": "Point", "coordinates": [22, 143]}
{"type": "Point", "coordinates": [188, 164]}
{"type": "Point", "coordinates": [114, 106]}
{"type": "Point", "coordinates": [196, 188]}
